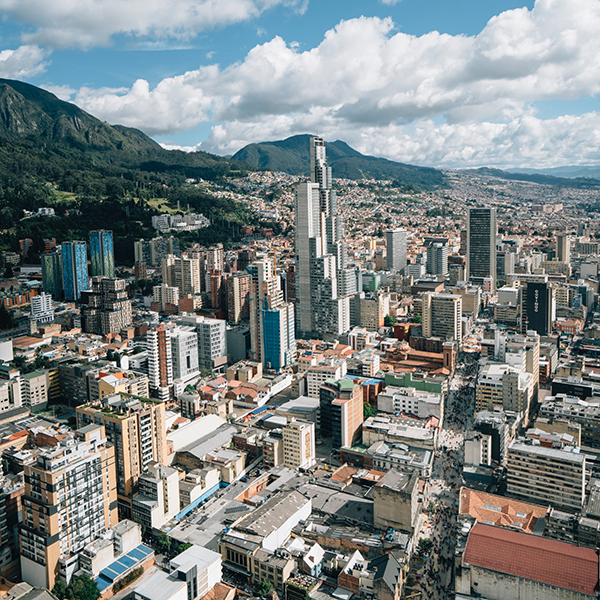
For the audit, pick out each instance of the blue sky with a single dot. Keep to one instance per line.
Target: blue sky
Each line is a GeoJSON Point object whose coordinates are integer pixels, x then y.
{"type": "Point", "coordinates": [433, 82]}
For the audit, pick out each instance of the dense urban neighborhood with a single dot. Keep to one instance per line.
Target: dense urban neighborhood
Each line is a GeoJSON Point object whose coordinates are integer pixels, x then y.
{"type": "Point", "coordinates": [357, 389]}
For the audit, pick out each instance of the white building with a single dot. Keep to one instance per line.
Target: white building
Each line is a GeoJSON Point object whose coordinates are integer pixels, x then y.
{"type": "Point", "coordinates": [164, 294]}
{"type": "Point", "coordinates": [318, 375]}
{"type": "Point", "coordinates": [299, 445]}
{"type": "Point", "coordinates": [184, 350]}
{"type": "Point", "coordinates": [212, 340]}
{"type": "Point", "coordinates": [41, 308]}
{"type": "Point", "coordinates": [193, 573]}
{"type": "Point", "coordinates": [157, 500]}
{"type": "Point", "coordinates": [323, 283]}
{"type": "Point", "coordinates": [398, 400]}
{"type": "Point", "coordinates": [442, 316]}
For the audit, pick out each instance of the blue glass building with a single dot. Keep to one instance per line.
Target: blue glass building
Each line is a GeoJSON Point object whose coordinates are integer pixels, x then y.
{"type": "Point", "coordinates": [279, 338]}
{"type": "Point", "coordinates": [75, 271]}
{"type": "Point", "coordinates": [102, 253]}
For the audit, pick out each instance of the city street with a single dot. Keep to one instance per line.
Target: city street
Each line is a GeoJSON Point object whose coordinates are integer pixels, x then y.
{"type": "Point", "coordinates": [435, 574]}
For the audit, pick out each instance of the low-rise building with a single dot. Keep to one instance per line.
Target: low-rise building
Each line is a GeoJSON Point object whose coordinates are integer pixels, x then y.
{"type": "Point", "coordinates": [500, 563]}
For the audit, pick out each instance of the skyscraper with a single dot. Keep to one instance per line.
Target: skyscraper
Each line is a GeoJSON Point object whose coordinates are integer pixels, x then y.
{"type": "Point", "coordinates": [106, 307]}
{"type": "Point", "coordinates": [437, 257]}
{"type": "Point", "coordinates": [563, 248]}
{"type": "Point", "coordinates": [272, 324]}
{"type": "Point", "coordinates": [395, 242]}
{"type": "Point", "coordinates": [323, 287]}
{"type": "Point", "coordinates": [75, 271]}
{"type": "Point", "coordinates": [481, 243]}
{"type": "Point", "coordinates": [160, 362]}
{"type": "Point", "coordinates": [102, 253]}
{"type": "Point", "coordinates": [52, 273]}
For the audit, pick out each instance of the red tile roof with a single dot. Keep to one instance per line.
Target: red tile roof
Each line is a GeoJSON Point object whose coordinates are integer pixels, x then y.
{"type": "Point", "coordinates": [531, 557]}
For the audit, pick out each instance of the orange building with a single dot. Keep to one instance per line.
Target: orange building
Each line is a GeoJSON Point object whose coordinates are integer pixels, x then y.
{"type": "Point", "coordinates": [70, 498]}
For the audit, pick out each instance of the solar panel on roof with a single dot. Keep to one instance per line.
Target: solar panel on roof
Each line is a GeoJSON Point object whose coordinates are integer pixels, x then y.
{"type": "Point", "coordinates": [127, 561]}
{"type": "Point", "coordinates": [137, 554]}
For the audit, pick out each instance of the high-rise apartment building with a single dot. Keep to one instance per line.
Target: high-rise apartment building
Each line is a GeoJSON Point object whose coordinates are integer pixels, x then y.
{"type": "Point", "coordinates": [437, 257]}
{"type": "Point", "coordinates": [395, 243]}
{"type": "Point", "coordinates": [153, 251]}
{"type": "Point", "coordinates": [442, 316]}
{"type": "Point", "coordinates": [42, 310]}
{"type": "Point", "coordinates": [481, 243]}
{"type": "Point", "coordinates": [342, 415]}
{"type": "Point", "coordinates": [183, 273]}
{"type": "Point", "coordinates": [102, 254]}
{"type": "Point", "coordinates": [70, 499]}
{"type": "Point", "coordinates": [75, 270]}
{"type": "Point", "coordinates": [238, 297]}
{"type": "Point", "coordinates": [137, 430]}
{"type": "Point", "coordinates": [164, 294]}
{"type": "Point", "coordinates": [106, 307]}
{"type": "Point", "coordinates": [52, 273]}
{"type": "Point", "coordinates": [272, 327]}
{"type": "Point", "coordinates": [160, 362]}
{"type": "Point", "coordinates": [323, 286]}
{"type": "Point", "coordinates": [12, 489]}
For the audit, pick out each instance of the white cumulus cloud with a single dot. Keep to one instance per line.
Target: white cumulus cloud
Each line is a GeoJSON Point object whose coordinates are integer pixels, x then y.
{"type": "Point", "coordinates": [24, 62]}
{"type": "Point", "coordinates": [444, 98]}
{"type": "Point", "coordinates": [88, 23]}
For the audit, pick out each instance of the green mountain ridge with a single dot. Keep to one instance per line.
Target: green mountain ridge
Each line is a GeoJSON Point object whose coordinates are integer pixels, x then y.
{"type": "Point", "coordinates": [33, 118]}
{"type": "Point", "coordinates": [292, 156]}
{"type": "Point", "coordinates": [54, 154]}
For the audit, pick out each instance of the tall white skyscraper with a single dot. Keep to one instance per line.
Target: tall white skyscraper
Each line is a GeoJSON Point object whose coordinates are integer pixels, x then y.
{"type": "Point", "coordinates": [323, 282]}
{"type": "Point", "coordinates": [395, 243]}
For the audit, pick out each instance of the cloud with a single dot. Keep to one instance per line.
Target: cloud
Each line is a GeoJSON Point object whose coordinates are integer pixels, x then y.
{"type": "Point", "coordinates": [64, 92]}
{"type": "Point", "coordinates": [22, 63]}
{"type": "Point", "coordinates": [366, 81]}
{"type": "Point", "coordinates": [391, 2]}
{"type": "Point", "coordinates": [88, 23]}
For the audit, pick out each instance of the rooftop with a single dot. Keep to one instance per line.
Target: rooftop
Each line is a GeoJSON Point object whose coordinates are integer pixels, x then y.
{"type": "Point", "coordinates": [535, 558]}
{"type": "Point", "coordinates": [272, 514]}
{"type": "Point", "coordinates": [502, 512]}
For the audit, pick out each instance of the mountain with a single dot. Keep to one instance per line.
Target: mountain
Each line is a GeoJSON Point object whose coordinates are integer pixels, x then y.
{"type": "Point", "coordinates": [38, 123]}
{"type": "Point", "coordinates": [292, 156]}
{"type": "Point", "coordinates": [568, 172]}
{"type": "Point", "coordinates": [97, 176]}
{"type": "Point", "coordinates": [576, 182]}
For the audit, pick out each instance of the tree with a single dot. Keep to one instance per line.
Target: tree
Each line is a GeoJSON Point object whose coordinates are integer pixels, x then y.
{"type": "Point", "coordinates": [183, 547]}
{"type": "Point", "coordinates": [164, 542]}
{"type": "Point", "coordinates": [264, 587]}
{"type": "Point", "coordinates": [83, 587]}
{"type": "Point", "coordinates": [424, 545]}
{"type": "Point", "coordinates": [417, 319]}
{"type": "Point", "coordinates": [368, 410]}
{"type": "Point", "coordinates": [60, 589]}
{"type": "Point", "coordinates": [389, 321]}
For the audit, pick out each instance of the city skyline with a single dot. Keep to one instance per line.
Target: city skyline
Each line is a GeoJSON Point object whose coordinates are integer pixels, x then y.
{"type": "Point", "coordinates": [449, 86]}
